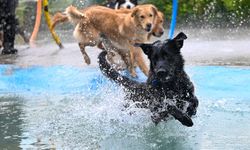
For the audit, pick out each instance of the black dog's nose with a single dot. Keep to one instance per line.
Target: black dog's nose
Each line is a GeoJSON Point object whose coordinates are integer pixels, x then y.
{"type": "Point", "coordinates": [128, 7]}
{"type": "Point", "coordinates": [161, 73]}
{"type": "Point", "coordinates": [149, 25]}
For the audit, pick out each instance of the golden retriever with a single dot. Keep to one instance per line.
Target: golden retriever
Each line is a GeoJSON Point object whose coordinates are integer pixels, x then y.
{"type": "Point", "coordinates": [122, 29]}
{"type": "Point", "coordinates": [157, 31]}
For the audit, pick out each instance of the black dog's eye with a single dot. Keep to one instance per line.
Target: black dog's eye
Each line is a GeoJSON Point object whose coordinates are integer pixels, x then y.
{"type": "Point", "coordinates": [165, 55]}
{"type": "Point", "coordinates": [155, 59]}
{"type": "Point", "coordinates": [142, 17]}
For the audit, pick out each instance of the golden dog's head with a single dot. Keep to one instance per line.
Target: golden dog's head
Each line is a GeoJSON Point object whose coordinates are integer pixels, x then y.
{"type": "Point", "coordinates": [158, 29]}
{"type": "Point", "coordinates": [144, 16]}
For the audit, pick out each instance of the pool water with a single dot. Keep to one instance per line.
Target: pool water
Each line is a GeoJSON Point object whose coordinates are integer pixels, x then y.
{"type": "Point", "coordinates": [61, 107]}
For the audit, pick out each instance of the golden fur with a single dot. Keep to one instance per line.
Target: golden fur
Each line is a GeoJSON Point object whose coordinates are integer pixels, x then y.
{"type": "Point", "coordinates": [123, 27]}
{"type": "Point", "coordinates": [158, 29]}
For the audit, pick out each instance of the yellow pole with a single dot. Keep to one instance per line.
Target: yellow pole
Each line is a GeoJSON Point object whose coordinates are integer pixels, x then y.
{"type": "Point", "coordinates": [37, 24]}
{"type": "Point", "coordinates": [48, 20]}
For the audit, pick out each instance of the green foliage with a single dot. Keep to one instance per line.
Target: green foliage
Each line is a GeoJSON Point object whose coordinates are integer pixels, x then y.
{"type": "Point", "coordinates": [215, 13]}
{"type": "Point", "coordinates": [212, 13]}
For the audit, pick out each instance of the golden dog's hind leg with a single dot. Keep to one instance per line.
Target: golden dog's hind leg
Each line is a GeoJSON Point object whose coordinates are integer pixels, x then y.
{"type": "Point", "coordinates": [85, 55]}
{"type": "Point", "coordinates": [110, 55]}
{"type": "Point", "coordinates": [124, 58]}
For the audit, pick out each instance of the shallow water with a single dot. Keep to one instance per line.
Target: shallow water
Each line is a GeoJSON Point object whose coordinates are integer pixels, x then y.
{"type": "Point", "coordinates": [66, 107]}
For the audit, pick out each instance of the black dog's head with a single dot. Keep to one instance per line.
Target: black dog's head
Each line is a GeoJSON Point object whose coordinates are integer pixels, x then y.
{"type": "Point", "coordinates": [165, 57]}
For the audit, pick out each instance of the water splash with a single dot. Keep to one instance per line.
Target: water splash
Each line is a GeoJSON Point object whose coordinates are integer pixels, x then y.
{"type": "Point", "coordinates": [74, 115]}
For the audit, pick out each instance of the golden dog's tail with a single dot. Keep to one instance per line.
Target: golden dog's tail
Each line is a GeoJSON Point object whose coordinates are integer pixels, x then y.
{"type": "Point", "coordinates": [74, 15]}
{"type": "Point", "coordinates": [59, 18]}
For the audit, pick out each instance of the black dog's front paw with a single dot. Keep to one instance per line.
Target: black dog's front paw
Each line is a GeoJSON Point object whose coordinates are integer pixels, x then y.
{"type": "Point", "coordinates": [192, 108]}
{"type": "Point", "coordinates": [186, 121]}
{"type": "Point", "coordinates": [191, 111]}
{"type": "Point", "coordinates": [179, 115]}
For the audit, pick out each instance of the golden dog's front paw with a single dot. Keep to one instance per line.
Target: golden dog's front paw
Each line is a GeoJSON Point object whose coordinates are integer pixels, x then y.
{"type": "Point", "coordinates": [133, 74]}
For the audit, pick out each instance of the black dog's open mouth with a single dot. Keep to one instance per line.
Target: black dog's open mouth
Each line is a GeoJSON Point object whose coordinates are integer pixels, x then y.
{"type": "Point", "coordinates": [167, 78]}
{"type": "Point", "coordinates": [163, 76]}
{"type": "Point", "coordinates": [164, 79]}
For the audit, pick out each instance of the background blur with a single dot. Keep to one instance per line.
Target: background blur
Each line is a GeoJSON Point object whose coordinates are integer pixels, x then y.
{"type": "Point", "coordinates": [201, 19]}
{"type": "Point", "coordinates": [192, 13]}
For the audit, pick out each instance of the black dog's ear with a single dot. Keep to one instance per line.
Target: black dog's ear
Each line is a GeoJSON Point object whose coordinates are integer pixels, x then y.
{"type": "Point", "coordinates": [179, 39]}
{"type": "Point", "coordinates": [180, 36]}
{"type": "Point", "coordinates": [147, 48]}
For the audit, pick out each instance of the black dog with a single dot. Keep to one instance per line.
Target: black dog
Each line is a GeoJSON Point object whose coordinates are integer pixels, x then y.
{"type": "Point", "coordinates": [168, 90]}
{"type": "Point", "coordinates": [117, 4]}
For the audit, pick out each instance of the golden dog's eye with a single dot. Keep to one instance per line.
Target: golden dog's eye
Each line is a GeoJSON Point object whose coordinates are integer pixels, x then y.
{"type": "Point", "coordinates": [142, 17]}
{"type": "Point", "coordinates": [150, 15]}
{"type": "Point", "coordinates": [161, 21]}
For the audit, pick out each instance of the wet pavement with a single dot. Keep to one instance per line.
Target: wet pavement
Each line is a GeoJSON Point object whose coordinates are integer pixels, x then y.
{"type": "Point", "coordinates": [201, 48]}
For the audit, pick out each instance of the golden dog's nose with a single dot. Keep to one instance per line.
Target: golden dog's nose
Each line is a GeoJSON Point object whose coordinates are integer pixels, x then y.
{"type": "Point", "coordinates": [148, 27]}
{"type": "Point", "coordinates": [161, 33]}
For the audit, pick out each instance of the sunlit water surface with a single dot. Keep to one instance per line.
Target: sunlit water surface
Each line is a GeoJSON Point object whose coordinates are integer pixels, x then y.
{"type": "Point", "coordinates": [78, 108]}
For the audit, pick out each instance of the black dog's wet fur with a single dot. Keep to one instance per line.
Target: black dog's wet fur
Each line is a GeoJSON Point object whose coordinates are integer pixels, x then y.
{"type": "Point", "coordinates": [168, 90]}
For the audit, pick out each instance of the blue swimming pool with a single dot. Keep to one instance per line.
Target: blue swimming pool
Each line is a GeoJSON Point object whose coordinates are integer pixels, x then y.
{"type": "Point", "coordinates": [70, 107]}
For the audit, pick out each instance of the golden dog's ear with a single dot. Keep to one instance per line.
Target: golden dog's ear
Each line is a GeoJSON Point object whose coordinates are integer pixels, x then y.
{"type": "Point", "coordinates": [155, 10]}
{"type": "Point", "coordinates": [135, 12]}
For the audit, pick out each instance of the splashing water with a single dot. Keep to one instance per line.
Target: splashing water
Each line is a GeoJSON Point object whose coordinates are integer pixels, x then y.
{"type": "Point", "coordinates": [71, 108]}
